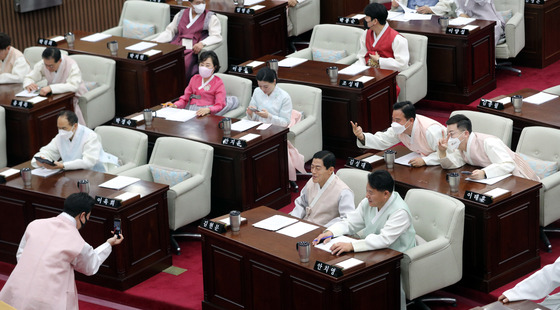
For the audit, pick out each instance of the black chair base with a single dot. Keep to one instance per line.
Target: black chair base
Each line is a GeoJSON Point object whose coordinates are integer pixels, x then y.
{"type": "Point", "coordinates": [544, 238]}
{"type": "Point", "coordinates": [507, 65]}
{"type": "Point", "coordinates": [175, 244]}
{"type": "Point", "coordinates": [419, 303]}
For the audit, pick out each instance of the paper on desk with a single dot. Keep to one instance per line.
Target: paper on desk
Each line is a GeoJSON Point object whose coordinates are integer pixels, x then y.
{"type": "Point", "coordinates": [58, 38]}
{"type": "Point", "coordinates": [372, 159]}
{"type": "Point", "coordinates": [174, 114]}
{"type": "Point", "coordinates": [396, 16]}
{"type": "Point", "coordinates": [405, 8]}
{"type": "Point", "coordinates": [359, 16]}
{"type": "Point", "coordinates": [327, 246]}
{"type": "Point", "coordinates": [152, 52]}
{"type": "Point", "coordinates": [226, 220]}
{"type": "Point", "coordinates": [264, 126]}
{"type": "Point", "coordinates": [96, 37]}
{"type": "Point", "coordinates": [248, 137]}
{"type": "Point", "coordinates": [119, 182]}
{"type": "Point", "coordinates": [353, 69]}
{"type": "Point", "coordinates": [470, 27]}
{"type": "Point", "coordinates": [275, 222]}
{"type": "Point", "coordinates": [403, 160]}
{"type": "Point", "coordinates": [25, 93]}
{"type": "Point", "coordinates": [44, 172]}
{"type": "Point", "coordinates": [504, 100]}
{"type": "Point", "coordinates": [417, 16]}
{"type": "Point", "coordinates": [459, 21]}
{"type": "Point", "coordinates": [496, 192]}
{"type": "Point", "coordinates": [243, 125]}
{"type": "Point", "coordinates": [9, 172]}
{"type": "Point", "coordinates": [140, 46]}
{"type": "Point", "coordinates": [291, 62]}
{"type": "Point", "coordinates": [364, 79]}
{"type": "Point", "coordinates": [126, 196]}
{"type": "Point", "coordinates": [251, 2]}
{"type": "Point", "coordinates": [349, 263]}
{"type": "Point", "coordinates": [297, 229]}
{"type": "Point", "coordinates": [37, 99]}
{"type": "Point", "coordinates": [257, 7]}
{"type": "Point", "coordinates": [490, 181]}
{"type": "Point", "coordinates": [540, 98]}
{"type": "Point", "coordinates": [255, 63]}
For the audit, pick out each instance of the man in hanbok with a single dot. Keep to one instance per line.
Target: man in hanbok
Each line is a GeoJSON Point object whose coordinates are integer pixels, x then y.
{"type": "Point", "coordinates": [477, 149]}
{"type": "Point", "coordinates": [482, 9]}
{"type": "Point", "coordinates": [49, 252]}
{"type": "Point", "coordinates": [14, 66]}
{"type": "Point", "coordinates": [438, 7]}
{"type": "Point", "coordinates": [325, 199]}
{"type": "Point", "coordinates": [418, 133]}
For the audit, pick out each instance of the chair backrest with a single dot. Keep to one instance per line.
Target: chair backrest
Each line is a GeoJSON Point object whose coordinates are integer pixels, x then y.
{"type": "Point", "coordinates": [97, 69]}
{"type": "Point", "coordinates": [33, 54]}
{"type": "Point", "coordinates": [540, 142]}
{"type": "Point", "coordinates": [336, 37]}
{"type": "Point", "coordinates": [516, 6]}
{"type": "Point", "coordinates": [356, 180]}
{"type": "Point", "coordinates": [304, 16]}
{"type": "Point", "coordinates": [490, 124]}
{"type": "Point", "coordinates": [417, 47]}
{"type": "Point", "coordinates": [3, 152]}
{"type": "Point", "coordinates": [183, 154]}
{"type": "Point", "coordinates": [239, 87]}
{"type": "Point", "coordinates": [146, 12]}
{"type": "Point", "coordinates": [130, 146]}
{"type": "Point", "coordinates": [221, 49]}
{"type": "Point", "coordinates": [305, 99]}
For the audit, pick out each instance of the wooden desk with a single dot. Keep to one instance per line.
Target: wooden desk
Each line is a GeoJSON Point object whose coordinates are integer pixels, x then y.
{"type": "Point", "coordinates": [27, 130]}
{"type": "Point", "coordinates": [516, 305]}
{"type": "Point", "coordinates": [501, 241]}
{"type": "Point", "coordinates": [145, 250]}
{"type": "Point", "coordinates": [242, 178]}
{"type": "Point", "coordinates": [370, 106]}
{"type": "Point", "coordinates": [138, 83]}
{"type": "Point", "coordinates": [542, 30]}
{"type": "Point", "coordinates": [260, 269]}
{"type": "Point", "coordinates": [546, 114]}
{"type": "Point", "coordinates": [332, 9]}
{"type": "Point", "coordinates": [250, 35]}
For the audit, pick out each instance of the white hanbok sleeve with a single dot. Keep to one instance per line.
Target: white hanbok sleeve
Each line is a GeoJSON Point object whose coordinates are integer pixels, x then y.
{"type": "Point", "coordinates": [402, 56]}
{"type": "Point", "coordinates": [72, 82]}
{"type": "Point", "coordinates": [345, 206]}
{"type": "Point", "coordinates": [381, 140]}
{"type": "Point", "coordinates": [363, 50]}
{"type": "Point", "coordinates": [19, 70]}
{"type": "Point", "coordinates": [538, 285]}
{"type": "Point", "coordinates": [497, 152]}
{"type": "Point", "coordinates": [284, 115]}
{"type": "Point", "coordinates": [433, 135]}
{"type": "Point", "coordinates": [300, 204]}
{"type": "Point", "coordinates": [49, 151]}
{"type": "Point", "coordinates": [353, 222]}
{"type": "Point", "coordinates": [214, 31]}
{"type": "Point", "coordinates": [35, 75]}
{"type": "Point", "coordinates": [90, 155]}
{"type": "Point", "coordinates": [169, 33]}
{"type": "Point", "coordinates": [443, 8]}
{"type": "Point", "coordinates": [452, 160]}
{"type": "Point", "coordinates": [89, 260]}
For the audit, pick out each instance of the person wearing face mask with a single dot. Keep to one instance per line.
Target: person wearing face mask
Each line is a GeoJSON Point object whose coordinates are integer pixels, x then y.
{"type": "Point", "coordinates": [477, 149]}
{"type": "Point", "coordinates": [194, 28]}
{"type": "Point", "coordinates": [74, 147]}
{"type": "Point", "coordinates": [50, 251]}
{"type": "Point", "coordinates": [418, 133]}
{"type": "Point", "coordinates": [13, 66]}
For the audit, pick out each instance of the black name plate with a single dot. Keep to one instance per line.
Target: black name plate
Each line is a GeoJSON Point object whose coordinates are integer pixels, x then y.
{"type": "Point", "coordinates": [328, 269]}
{"type": "Point", "coordinates": [351, 84]}
{"type": "Point", "coordinates": [241, 69]}
{"type": "Point", "coordinates": [234, 142]}
{"type": "Point", "coordinates": [244, 10]}
{"type": "Point", "coordinates": [348, 21]}
{"type": "Point", "coordinates": [157, 1]}
{"type": "Point", "coordinates": [534, 1]}
{"type": "Point", "coordinates": [213, 226]}
{"type": "Point", "coordinates": [476, 197]}
{"type": "Point", "coordinates": [124, 121]}
{"type": "Point", "coordinates": [108, 202]}
{"type": "Point", "coordinates": [46, 42]}
{"type": "Point", "coordinates": [491, 104]}
{"type": "Point", "coordinates": [360, 164]}
{"type": "Point", "coordinates": [21, 104]}
{"type": "Point", "coordinates": [137, 56]}
{"type": "Point", "coordinates": [458, 31]}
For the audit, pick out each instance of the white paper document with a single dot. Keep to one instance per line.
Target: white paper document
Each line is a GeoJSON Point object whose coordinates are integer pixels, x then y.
{"type": "Point", "coordinates": [248, 137]}
{"type": "Point", "coordinates": [490, 181]}
{"type": "Point", "coordinates": [126, 196]}
{"type": "Point", "coordinates": [257, 7]}
{"type": "Point", "coordinates": [275, 222]}
{"type": "Point", "coordinates": [297, 229]}
{"type": "Point", "coordinates": [504, 100]}
{"type": "Point", "coordinates": [44, 172]}
{"type": "Point", "coordinates": [291, 62]}
{"type": "Point", "coordinates": [353, 69]}
{"type": "Point", "coordinates": [58, 38]}
{"type": "Point", "coordinates": [470, 27]}
{"type": "Point", "coordinates": [372, 159]}
{"type": "Point", "coordinates": [405, 8]}
{"type": "Point", "coordinates": [25, 93]}
{"type": "Point", "coordinates": [37, 99]}
{"type": "Point", "coordinates": [364, 79]}
{"type": "Point", "coordinates": [174, 114]}
{"type": "Point", "coordinates": [9, 172]}
{"type": "Point", "coordinates": [396, 16]}
{"type": "Point", "coordinates": [251, 2]}
{"type": "Point", "coordinates": [254, 63]}
{"type": "Point", "coordinates": [226, 220]}
{"type": "Point", "coordinates": [264, 126]}
{"type": "Point", "coordinates": [140, 46]}
{"type": "Point", "coordinates": [403, 160]}
{"type": "Point", "coordinates": [243, 125]}
{"type": "Point", "coordinates": [416, 16]}
{"type": "Point", "coordinates": [327, 246]}
{"type": "Point", "coordinates": [349, 263]}
{"type": "Point", "coordinates": [359, 16]}
{"type": "Point", "coordinates": [540, 98]}
{"type": "Point", "coordinates": [459, 21]}
{"type": "Point", "coordinates": [152, 52]}
{"type": "Point", "coordinates": [96, 37]}
{"type": "Point", "coordinates": [119, 182]}
{"type": "Point", "coordinates": [496, 192]}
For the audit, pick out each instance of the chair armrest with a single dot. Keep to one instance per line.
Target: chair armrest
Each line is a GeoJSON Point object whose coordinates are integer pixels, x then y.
{"type": "Point", "coordinates": [302, 126]}
{"type": "Point", "coordinates": [238, 112]}
{"type": "Point", "coordinates": [143, 172]}
{"type": "Point", "coordinates": [348, 60]}
{"type": "Point", "coordinates": [304, 53]}
{"type": "Point", "coordinates": [515, 20]}
{"type": "Point", "coordinates": [151, 37]}
{"type": "Point", "coordinates": [427, 249]}
{"type": "Point", "coordinates": [123, 168]}
{"type": "Point", "coordinates": [551, 181]}
{"type": "Point", "coordinates": [115, 31]}
{"type": "Point", "coordinates": [96, 92]}
{"type": "Point", "coordinates": [411, 70]}
{"type": "Point", "coordinates": [187, 185]}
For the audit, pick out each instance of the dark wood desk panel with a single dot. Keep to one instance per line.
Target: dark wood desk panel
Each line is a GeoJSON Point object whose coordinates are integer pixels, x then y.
{"type": "Point", "coordinates": [27, 130]}
{"type": "Point", "coordinates": [332, 9]}
{"type": "Point", "coordinates": [242, 178]}
{"type": "Point", "coordinates": [145, 250]}
{"type": "Point", "coordinates": [260, 269]}
{"type": "Point", "coordinates": [542, 30]}
{"type": "Point", "coordinates": [370, 106]}
{"type": "Point", "coordinates": [138, 84]}
{"type": "Point", "coordinates": [250, 36]}
{"type": "Point", "coordinates": [501, 240]}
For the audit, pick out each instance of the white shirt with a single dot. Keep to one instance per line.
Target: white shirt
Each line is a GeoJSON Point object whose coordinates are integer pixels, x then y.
{"type": "Point", "coordinates": [19, 70]}
{"type": "Point", "coordinates": [214, 31]}
{"type": "Point", "coordinates": [278, 105]}
{"type": "Point", "coordinates": [72, 84]}
{"type": "Point", "coordinates": [442, 8]}
{"type": "Point", "coordinates": [400, 51]}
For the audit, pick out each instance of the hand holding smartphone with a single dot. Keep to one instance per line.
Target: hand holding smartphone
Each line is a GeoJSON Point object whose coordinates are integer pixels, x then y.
{"type": "Point", "coordinates": [254, 109]}
{"type": "Point", "coordinates": [45, 161]}
{"type": "Point", "coordinates": [117, 227]}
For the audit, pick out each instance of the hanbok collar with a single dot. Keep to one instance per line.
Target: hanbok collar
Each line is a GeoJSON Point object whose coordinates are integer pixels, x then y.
{"type": "Point", "coordinates": [322, 190]}
{"type": "Point", "coordinates": [469, 143]}
{"type": "Point", "coordinates": [375, 37]}
{"type": "Point", "coordinates": [380, 212]}
{"type": "Point", "coordinates": [205, 83]}
{"type": "Point", "coordinates": [192, 20]}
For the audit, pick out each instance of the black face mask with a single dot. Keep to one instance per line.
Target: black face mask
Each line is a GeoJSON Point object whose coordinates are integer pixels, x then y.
{"type": "Point", "coordinates": [83, 223]}
{"type": "Point", "coordinates": [365, 25]}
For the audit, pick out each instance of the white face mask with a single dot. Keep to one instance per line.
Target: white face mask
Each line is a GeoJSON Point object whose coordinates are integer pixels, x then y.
{"type": "Point", "coordinates": [65, 134]}
{"type": "Point", "coordinates": [205, 72]}
{"type": "Point", "coordinates": [453, 143]}
{"type": "Point", "coordinates": [398, 128]}
{"type": "Point", "coordinates": [199, 8]}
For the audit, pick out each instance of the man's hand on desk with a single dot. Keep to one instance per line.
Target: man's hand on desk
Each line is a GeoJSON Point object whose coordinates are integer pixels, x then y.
{"type": "Point", "coordinates": [202, 111]}
{"type": "Point", "coordinates": [323, 237]}
{"type": "Point", "coordinates": [478, 174]}
{"type": "Point", "coordinates": [503, 299]}
{"type": "Point", "coordinates": [341, 247]}
{"type": "Point", "coordinates": [424, 10]}
{"type": "Point", "coordinates": [464, 15]}
{"type": "Point", "coordinates": [31, 87]}
{"type": "Point", "coordinates": [45, 91]}
{"type": "Point", "coordinates": [292, 3]}
{"type": "Point", "coordinates": [197, 47]}
{"type": "Point", "coordinates": [358, 132]}
{"type": "Point", "coordinates": [417, 162]}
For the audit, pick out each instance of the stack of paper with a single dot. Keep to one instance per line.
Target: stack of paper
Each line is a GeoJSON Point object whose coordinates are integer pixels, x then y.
{"type": "Point", "coordinates": [264, 126]}
{"type": "Point", "coordinates": [126, 196]}
{"type": "Point", "coordinates": [496, 192]}
{"type": "Point", "coordinates": [349, 263]}
{"type": "Point", "coordinates": [257, 7]}
{"type": "Point", "coordinates": [327, 246]}
{"type": "Point", "coordinates": [29, 94]}
{"type": "Point", "coordinates": [403, 160]}
{"type": "Point", "coordinates": [364, 79]}
{"type": "Point", "coordinates": [460, 21]}
{"type": "Point", "coordinates": [275, 222]}
{"type": "Point", "coordinates": [9, 172]}
{"type": "Point", "coordinates": [490, 181]}
{"type": "Point", "coordinates": [243, 125]}
{"type": "Point", "coordinates": [416, 16]}
{"type": "Point", "coordinates": [118, 182]}
{"type": "Point", "coordinates": [254, 63]}
{"type": "Point", "coordinates": [359, 16]}
{"type": "Point", "coordinates": [291, 62]}
{"type": "Point", "coordinates": [372, 159]}
{"type": "Point", "coordinates": [37, 99]}
{"type": "Point", "coordinates": [96, 37]}
{"type": "Point", "coordinates": [152, 52]}
{"type": "Point", "coordinates": [297, 229]}
{"type": "Point", "coordinates": [353, 69]}
{"type": "Point", "coordinates": [44, 172]}
{"type": "Point", "coordinates": [248, 137]}
{"type": "Point", "coordinates": [173, 114]}
{"type": "Point", "coordinates": [140, 46]}
{"type": "Point", "coordinates": [540, 98]}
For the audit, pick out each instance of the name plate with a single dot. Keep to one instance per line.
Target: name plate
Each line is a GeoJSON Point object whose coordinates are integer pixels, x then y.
{"type": "Point", "coordinates": [351, 84]}
{"type": "Point", "coordinates": [348, 21]}
{"type": "Point", "coordinates": [491, 104]}
{"type": "Point", "coordinates": [476, 197]}
{"type": "Point", "coordinates": [137, 56]}
{"type": "Point", "coordinates": [234, 142]}
{"type": "Point", "coordinates": [328, 269]}
{"type": "Point", "coordinates": [241, 69]}
{"type": "Point", "coordinates": [534, 1]}
{"type": "Point", "coordinates": [459, 31]}
{"type": "Point", "coordinates": [108, 202]}
{"type": "Point", "coordinates": [21, 104]}
{"type": "Point", "coordinates": [244, 10]}
{"type": "Point", "coordinates": [46, 42]}
{"type": "Point", "coordinates": [360, 164]}
{"type": "Point", "coordinates": [213, 226]}
{"type": "Point", "coordinates": [125, 121]}
{"type": "Point", "coordinates": [157, 1]}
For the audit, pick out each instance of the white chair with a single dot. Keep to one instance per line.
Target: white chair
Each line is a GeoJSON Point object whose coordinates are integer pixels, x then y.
{"type": "Point", "coordinates": [304, 16]}
{"type": "Point", "coordinates": [189, 200]}
{"type": "Point", "coordinates": [544, 143]}
{"type": "Point", "coordinates": [3, 154]}
{"type": "Point", "coordinates": [33, 54]}
{"type": "Point", "coordinates": [437, 260]}
{"type": "Point", "coordinates": [307, 135]}
{"type": "Point", "coordinates": [355, 179]}
{"type": "Point", "coordinates": [98, 104]}
{"type": "Point", "coordinates": [514, 30]}
{"type": "Point", "coordinates": [143, 12]}
{"type": "Point", "coordinates": [239, 87]}
{"type": "Point", "coordinates": [221, 49]}
{"type": "Point", "coordinates": [334, 38]}
{"type": "Point", "coordinates": [490, 124]}
{"type": "Point", "coordinates": [553, 90]}
{"type": "Point", "coordinates": [130, 146]}
{"type": "Point", "coordinates": [413, 81]}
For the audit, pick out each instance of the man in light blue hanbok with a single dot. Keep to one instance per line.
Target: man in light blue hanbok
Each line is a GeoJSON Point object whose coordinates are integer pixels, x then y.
{"type": "Point", "coordinates": [74, 147]}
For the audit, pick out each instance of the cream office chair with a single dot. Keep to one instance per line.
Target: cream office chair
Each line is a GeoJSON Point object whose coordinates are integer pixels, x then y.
{"type": "Point", "coordinates": [514, 30]}
{"type": "Point", "coordinates": [414, 80]}
{"type": "Point", "coordinates": [302, 18]}
{"type": "Point", "coordinates": [543, 143]}
{"type": "Point", "coordinates": [3, 154]}
{"type": "Point", "coordinates": [141, 20]}
{"type": "Point", "coordinates": [130, 146]}
{"type": "Point", "coordinates": [221, 49]}
{"type": "Point", "coordinates": [437, 259]}
{"type": "Point", "coordinates": [333, 40]}
{"type": "Point", "coordinates": [188, 200]}
{"type": "Point", "coordinates": [239, 87]}
{"type": "Point", "coordinates": [98, 104]}
{"type": "Point", "coordinates": [307, 135]}
{"type": "Point", "coordinates": [553, 90]}
{"type": "Point", "coordinates": [495, 125]}
{"type": "Point", "coordinates": [355, 179]}
{"type": "Point", "coordinates": [33, 54]}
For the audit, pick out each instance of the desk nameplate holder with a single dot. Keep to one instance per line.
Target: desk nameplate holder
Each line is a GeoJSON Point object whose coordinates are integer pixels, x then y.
{"type": "Point", "coordinates": [534, 1]}
{"type": "Point", "coordinates": [46, 42]}
{"type": "Point", "coordinates": [244, 10]}
{"type": "Point", "coordinates": [4, 179]}
{"type": "Point", "coordinates": [137, 56]}
{"type": "Point", "coordinates": [491, 104]}
{"type": "Point", "coordinates": [348, 20]}
{"type": "Point", "coordinates": [351, 84]}
{"type": "Point", "coordinates": [234, 142]}
{"type": "Point", "coordinates": [327, 269]}
{"type": "Point", "coordinates": [359, 164]}
{"type": "Point", "coordinates": [21, 104]}
{"type": "Point", "coordinates": [157, 1]}
{"type": "Point", "coordinates": [241, 69]}
{"type": "Point", "coordinates": [125, 122]}
{"type": "Point", "coordinates": [112, 201]}
{"type": "Point", "coordinates": [476, 197]}
{"type": "Point", "coordinates": [458, 31]}
{"type": "Point", "coordinates": [213, 226]}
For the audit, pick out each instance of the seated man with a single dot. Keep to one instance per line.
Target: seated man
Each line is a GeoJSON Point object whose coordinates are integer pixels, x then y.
{"type": "Point", "coordinates": [78, 147]}
{"type": "Point", "coordinates": [464, 146]}
{"type": "Point", "coordinates": [14, 67]}
{"type": "Point", "coordinates": [483, 9]}
{"type": "Point", "coordinates": [325, 199]}
{"type": "Point", "coordinates": [62, 75]}
{"type": "Point", "coordinates": [194, 29]}
{"type": "Point", "coordinates": [418, 133]}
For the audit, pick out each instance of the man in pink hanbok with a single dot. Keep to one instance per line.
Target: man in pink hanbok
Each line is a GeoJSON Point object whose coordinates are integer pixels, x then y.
{"type": "Point", "coordinates": [13, 66]}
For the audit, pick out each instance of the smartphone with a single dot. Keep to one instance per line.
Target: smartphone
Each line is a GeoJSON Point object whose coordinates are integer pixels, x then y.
{"type": "Point", "coordinates": [117, 227]}
{"type": "Point", "coordinates": [45, 161]}
{"type": "Point", "coordinates": [254, 109]}
{"type": "Point", "coordinates": [466, 172]}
